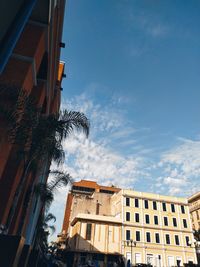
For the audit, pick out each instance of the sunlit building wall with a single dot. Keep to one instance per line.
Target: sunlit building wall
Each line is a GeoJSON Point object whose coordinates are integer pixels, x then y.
{"type": "Point", "coordinates": [160, 227]}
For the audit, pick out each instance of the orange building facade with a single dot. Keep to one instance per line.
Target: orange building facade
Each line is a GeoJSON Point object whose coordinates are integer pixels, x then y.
{"type": "Point", "coordinates": [30, 42]}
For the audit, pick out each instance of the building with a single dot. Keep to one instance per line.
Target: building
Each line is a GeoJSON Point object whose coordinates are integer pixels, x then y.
{"type": "Point", "coordinates": [30, 43]}
{"type": "Point", "coordinates": [90, 226]}
{"type": "Point", "coordinates": [160, 227]}
{"type": "Point", "coordinates": [194, 206]}
{"type": "Point", "coordinates": [150, 228]}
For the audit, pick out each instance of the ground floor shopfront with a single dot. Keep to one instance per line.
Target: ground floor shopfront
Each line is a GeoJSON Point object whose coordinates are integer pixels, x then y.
{"type": "Point", "coordinates": [159, 257]}
{"type": "Point", "coordinates": [75, 259]}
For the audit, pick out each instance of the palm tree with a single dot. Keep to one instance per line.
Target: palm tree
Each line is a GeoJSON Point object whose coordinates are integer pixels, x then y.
{"type": "Point", "coordinates": [38, 136]}
{"type": "Point", "coordinates": [43, 230]}
{"type": "Point", "coordinates": [47, 190]}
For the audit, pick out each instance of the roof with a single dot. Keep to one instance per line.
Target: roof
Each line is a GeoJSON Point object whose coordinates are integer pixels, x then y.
{"type": "Point", "coordinates": [96, 218]}
{"type": "Point", "coordinates": [153, 196]}
{"type": "Point", "coordinates": [95, 185]}
{"type": "Point", "coordinates": [194, 197]}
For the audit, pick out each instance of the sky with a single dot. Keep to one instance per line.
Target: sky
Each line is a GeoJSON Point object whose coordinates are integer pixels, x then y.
{"type": "Point", "coordinates": [133, 68]}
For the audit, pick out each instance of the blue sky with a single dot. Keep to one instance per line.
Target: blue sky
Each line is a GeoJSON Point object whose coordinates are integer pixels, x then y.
{"type": "Point", "coordinates": [133, 67]}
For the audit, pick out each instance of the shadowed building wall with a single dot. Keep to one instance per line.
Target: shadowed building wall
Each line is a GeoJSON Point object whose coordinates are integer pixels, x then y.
{"type": "Point", "coordinates": [30, 43]}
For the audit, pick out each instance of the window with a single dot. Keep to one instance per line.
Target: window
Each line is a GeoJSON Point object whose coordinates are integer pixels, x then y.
{"type": "Point", "coordinates": [138, 258]}
{"type": "Point", "coordinates": [128, 216]}
{"type": "Point", "coordinates": [146, 204]}
{"type": "Point", "coordinates": [177, 240]}
{"type": "Point", "coordinates": [164, 206]}
{"type": "Point", "coordinates": [137, 218]}
{"type": "Point", "coordinates": [197, 214]}
{"type": "Point", "coordinates": [128, 234]}
{"type": "Point", "coordinates": [165, 221]}
{"type": "Point", "coordinates": [167, 237]}
{"type": "Point", "coordinates": [127, 201]}
{"type": "Point", "coordinates": [184, 223]}
{"type": "Point", "coordinates": [88, 231]}
{"type": "Point", "coordinates": [182, 209]}
{"type": "Point", "coordinates": [136, 202]}
{"type": "Point", "coordinates": [172, 208]}
{"type": "Point", "coordinates": [174, 222]}
{"type": "Point", "coordinates": [157, 238]}
{"type": "Point", "coordinates": [156, 219]}
{"type": "Point", "coordinates": [137, 235]}
{"type": "Point", "coordinates": [154, 205]}
{"type": "Point", "coordinates": [148, 237]}
{"type": "Point", "coordinates": [187, 240]}
{"type": "Point", "coordinates": [147, 218]}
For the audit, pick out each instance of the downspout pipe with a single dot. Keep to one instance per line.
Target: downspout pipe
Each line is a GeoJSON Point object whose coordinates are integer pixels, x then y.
{"type": "Point", "coordinates": [14, 32]}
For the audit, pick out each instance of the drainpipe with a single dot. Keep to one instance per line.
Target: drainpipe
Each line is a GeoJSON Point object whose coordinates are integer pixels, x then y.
{"type": "Point", "coordinates": [14, 32]}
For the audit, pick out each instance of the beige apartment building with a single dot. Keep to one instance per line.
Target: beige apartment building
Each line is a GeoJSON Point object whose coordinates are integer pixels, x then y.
{"type": "Point", "coordinates": [92, 232]}
{"type": "Point", "coordinates": [194, 206]}
{"type": "Point", "coordinates": [108, 224]}
{"type": "Point", "coordinates": [160, 227]}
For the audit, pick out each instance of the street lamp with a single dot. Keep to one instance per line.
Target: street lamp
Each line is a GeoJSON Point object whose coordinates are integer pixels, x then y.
{"type": "Point", "coordinates": [130, 243]}
{"type": "Point", "coordinates": [197, 248]}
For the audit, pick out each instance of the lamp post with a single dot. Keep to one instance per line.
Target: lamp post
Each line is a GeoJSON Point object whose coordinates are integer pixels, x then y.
{"type": "Point", "coordinates": [130, 243]}
{"type": "Point", "coordinates": [196, 244]}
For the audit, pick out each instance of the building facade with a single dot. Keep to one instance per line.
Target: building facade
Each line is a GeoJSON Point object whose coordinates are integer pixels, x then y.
{"type": "Point", "coordinates": [160, 227]}
{"type": "Point", "coordinates": [92, 231]}
{"type": "Point", "coordinates": [194, 206]}
{"type": "Point", "coordinates": [150, 228]}
{"type": "Point", "coordinates": [30, 43]}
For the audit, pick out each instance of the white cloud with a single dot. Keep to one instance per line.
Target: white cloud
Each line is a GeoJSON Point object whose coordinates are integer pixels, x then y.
{"type": "Point", "coordinates": [97, 162]}
{"type": "Point", "coordinates": [181, 168]}
{"type": "Point", "coordinates": [99, 157]}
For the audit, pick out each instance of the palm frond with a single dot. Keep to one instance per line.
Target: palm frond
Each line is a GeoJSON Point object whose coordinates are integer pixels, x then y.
{"type": "Point", "coordinates": [46, 195]}
{"type": "Point", "coordinates": [52, 228]}
{"type": "Point", "coordinates": [71, 120]}
{"type": "Point", "coordinates": [58, 180]}
{"type": "Point", "coordinates": [49, 217]}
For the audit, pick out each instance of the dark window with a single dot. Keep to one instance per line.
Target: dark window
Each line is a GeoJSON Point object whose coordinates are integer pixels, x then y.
{"type": "Point", "coordinates": [127, 201]}
{"type": "Point", "coordinates": [146, 204]}
{"type": "Point", "coordinates": [97, 208]}
{"type": "Point", "coordinates": [164, 206]}
{"type": "Point", "coordinates": [177, 240]}
{"type": "Point", "coordinates": [107, 191]}
{"type": "Point", "coordinates": [88, 231]}
{"type": "Point", "coordinates": [137, 218]}
{"type": "Point", "coordinates": [128, 216]}
{"type": "Point", "coordinates": [148, 237]}
{"type": "Point", "coordinates": [82, 189]}
{"type": "Point", "coordinates": [156, 219]}
{"type": "Point", "coordinates": [174, 222]}
{"type": "Point", "coordinates": [147, 218]}
{"type": "Point", "coordinates": [172, 208]}
{"type": "Point", "coordinates": [137, 235]}
{"type": "Point", "coordinates": [184, 223]}
{"type": "Point", "coordinates": [187, 240]}
{"type": "Point", "coordinates": [182, 209]}
{"type": "Point", "coordinates": [154, 205]}
{"type": "Point", "coordinates": [167, 239]}
{"type": "Point", "coordinates": [165, 221]}
{"type": "Point", "coordinates": [157, 238]}
{"type": "Point", "coordinates": [136, 202]}
{"type": "Point", "coordinates": [128, 234]}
